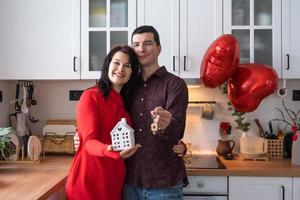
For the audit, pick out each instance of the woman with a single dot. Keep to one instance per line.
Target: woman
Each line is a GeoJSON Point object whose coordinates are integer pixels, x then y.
{"type": "Point", "coordinates": [97, 172]}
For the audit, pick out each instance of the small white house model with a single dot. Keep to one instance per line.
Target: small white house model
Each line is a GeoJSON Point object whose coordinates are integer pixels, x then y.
{"type": "Point", "coordinates": [122, 136]}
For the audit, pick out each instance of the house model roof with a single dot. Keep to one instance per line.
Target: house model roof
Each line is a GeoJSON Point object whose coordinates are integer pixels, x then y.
{"type": "Point", "coordinates": [122, 123]}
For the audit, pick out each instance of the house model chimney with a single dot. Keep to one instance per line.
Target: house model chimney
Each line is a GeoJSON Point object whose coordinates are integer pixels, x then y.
{"type": "Point", "coordinates": [123, 120]}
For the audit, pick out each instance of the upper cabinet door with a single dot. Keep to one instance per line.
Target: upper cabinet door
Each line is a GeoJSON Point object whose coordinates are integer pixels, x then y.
{"type": "Point", "coordinates": [200, 25]}
{"type": "Point", "coordinates": [186, 29]}
{"type": "Point", "coordinates": [257, 26]}
{"type": "Point", "coordinates": [164, 17]}
{"type": "Point", "coordinates": [104, 24]}
{"type": "Point", "coordinates": [40, 39]}
{"type": "Point", "coordinates": [290, 39]}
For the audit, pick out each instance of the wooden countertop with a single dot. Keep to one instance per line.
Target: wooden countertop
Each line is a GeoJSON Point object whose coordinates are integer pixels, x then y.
{"type": "Point", "coordinates": [238, 167]}
{"type": "Point", "coordinates": [33, 180]}
{"type": "Point", "coordinates": [41, 180]}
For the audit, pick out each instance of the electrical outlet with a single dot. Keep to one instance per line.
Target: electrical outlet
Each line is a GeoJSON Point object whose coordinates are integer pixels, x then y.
{"type": "Point", "coordinates": [74, 95]}
{"type": "Point", "coordinates": [296, 95]}
{"type": "Point", "coordinates": [1, 96]}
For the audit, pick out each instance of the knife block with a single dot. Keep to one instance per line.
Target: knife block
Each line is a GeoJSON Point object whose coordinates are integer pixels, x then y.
{"type": "Point", "coordinates": [274, 148]}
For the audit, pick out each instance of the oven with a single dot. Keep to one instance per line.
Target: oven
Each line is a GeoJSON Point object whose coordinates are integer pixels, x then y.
{"type": "Point", "coordinates": [206, 188]}
{"type": "Point", "coordinates": [205, 197]}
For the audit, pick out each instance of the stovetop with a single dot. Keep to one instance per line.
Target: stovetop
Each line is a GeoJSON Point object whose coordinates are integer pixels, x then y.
{"type": "Point", "coordinates": [204, 161]}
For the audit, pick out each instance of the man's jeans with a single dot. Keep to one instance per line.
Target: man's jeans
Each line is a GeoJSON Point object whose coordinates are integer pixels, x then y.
{"type": "Point", "coordinates": [138, 193]}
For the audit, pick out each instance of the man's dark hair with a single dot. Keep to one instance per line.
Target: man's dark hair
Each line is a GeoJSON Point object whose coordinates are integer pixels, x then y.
{"type": "Point", "coordinates": [147, 29]}
{"type": "Point", "coordinates": [104, 82]}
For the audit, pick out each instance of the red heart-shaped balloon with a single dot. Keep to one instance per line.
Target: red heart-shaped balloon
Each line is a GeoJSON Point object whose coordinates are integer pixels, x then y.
{"type": "Point", "coordinates": [250, 84]}
{"type": "Point", "coordinates": [220, 61]}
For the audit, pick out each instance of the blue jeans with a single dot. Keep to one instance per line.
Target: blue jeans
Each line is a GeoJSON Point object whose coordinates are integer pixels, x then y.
{"type": "Point", "coordinates": [139, 193]}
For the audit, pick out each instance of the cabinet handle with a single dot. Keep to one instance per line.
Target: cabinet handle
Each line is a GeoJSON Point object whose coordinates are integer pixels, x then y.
{"type": "Point", "coordinates": [184, 63]}
{"type": "Point", "coordinates": [74, 64]}
{"type": "Point", "coordinates": [173, 63]}
{"type": "Point", "coordinates": [283, 192]}
{"type": "Point", "coordinates": [288, 61]}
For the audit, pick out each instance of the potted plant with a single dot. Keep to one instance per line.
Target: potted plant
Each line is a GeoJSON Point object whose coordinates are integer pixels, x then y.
{"type": "Point", "coordinates": [248, 143]}
{"type": "Point", "coordinates": [6, 147]}
{"type": "Point", "coordinates": [239, 116]}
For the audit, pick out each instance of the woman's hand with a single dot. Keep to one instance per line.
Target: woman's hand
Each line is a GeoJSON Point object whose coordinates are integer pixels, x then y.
{"type": "Point", "coordinates": [76, 141]}
{"type": "Point", "coordinates": [179, 149]}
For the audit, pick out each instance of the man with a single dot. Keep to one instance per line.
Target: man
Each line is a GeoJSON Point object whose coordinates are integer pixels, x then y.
{"type": "Point", "coordinates": [155, 172]}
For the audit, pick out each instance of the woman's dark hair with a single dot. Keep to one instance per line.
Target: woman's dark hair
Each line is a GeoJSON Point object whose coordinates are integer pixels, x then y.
{"type": "Point", "coordinates": [104, 82]}
{"type": "Point", "coordinates": [147, 29]}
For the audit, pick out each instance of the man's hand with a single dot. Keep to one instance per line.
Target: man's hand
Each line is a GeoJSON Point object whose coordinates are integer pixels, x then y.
{"type": "Point", "coordinates": [179, 149]}
{"type": "Point", "coordinates": [76, 141]}
{"type": "Point", "coordinates": [163, 117]}
{"type": "Point", "coordinates": [126, 153]}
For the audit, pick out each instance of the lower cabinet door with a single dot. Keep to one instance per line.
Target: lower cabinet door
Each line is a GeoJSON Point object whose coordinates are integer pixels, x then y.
{"type": "Point", "coordinates": [260, 188]}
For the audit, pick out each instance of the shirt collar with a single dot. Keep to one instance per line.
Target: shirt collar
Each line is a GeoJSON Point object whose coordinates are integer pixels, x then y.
{"type": "Point", "coordinates": [160, 72]}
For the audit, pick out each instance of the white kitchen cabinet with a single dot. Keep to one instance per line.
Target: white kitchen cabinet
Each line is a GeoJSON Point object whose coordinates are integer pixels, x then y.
{"type": "Point", "coordinates": [104, 24]}
{"type": "Point", "coordinates": [186, 29]}
{"type": "Point", "coordinates": [260, 188]}
{"type": "Point", "coordinates": [296, 188]}
{"type": "Point", "coordinates": [290, 39]}
{"type": "Point", "coordinates": [257, 26]}
{"type": "Point", "coordinates": [40, 39]}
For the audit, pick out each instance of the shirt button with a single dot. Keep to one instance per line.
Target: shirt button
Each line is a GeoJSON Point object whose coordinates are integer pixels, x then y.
{"type": "Point", "coordinates": [140, 130]}
{"type": "Point", "coordinates": [142, 99]}
{"type": "Point", "coordinates": [145, 85]}
{"type": "Point", "coordinates": [141, 114]}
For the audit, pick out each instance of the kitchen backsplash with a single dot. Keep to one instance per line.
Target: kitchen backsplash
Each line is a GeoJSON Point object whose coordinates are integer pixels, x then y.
{"type": "Point", "coordinates": [53, 103]}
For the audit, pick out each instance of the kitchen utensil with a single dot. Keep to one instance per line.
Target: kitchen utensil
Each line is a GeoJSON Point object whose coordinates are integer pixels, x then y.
{"type": "Point", "coordinates": [33, 119]}
{"type": "Point", "coordinates": [24, 108]}
{"type": "Point", "coordinates": [270, 127]}
{"type": "Point", "coordinates": [29, 95]}
{"type": "Point", "coordinates": [262, 132]}
{"type": "Point", "coordinates": [21, 127]}
{"type": "Point", "coordinates": [33, 102]}
{"type": "Point", "coordinates": [34, 148]}
{"type": "Point", "coordinates": [283, 90]}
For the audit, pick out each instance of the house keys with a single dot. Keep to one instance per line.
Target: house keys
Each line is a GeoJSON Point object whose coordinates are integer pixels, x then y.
{"type": "Point", "coordinates": [154, 127]}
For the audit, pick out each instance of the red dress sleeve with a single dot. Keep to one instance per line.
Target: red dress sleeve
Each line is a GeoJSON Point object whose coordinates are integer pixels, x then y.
{"type": "Point", "coordinates": [88, 116]}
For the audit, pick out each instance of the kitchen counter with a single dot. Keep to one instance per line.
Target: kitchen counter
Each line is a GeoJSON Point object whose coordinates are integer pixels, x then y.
{"type": "Point", "coordinates": [238, 167]}
{"type": "Point", "coordinates": [33, 180]}
{"type": "Point", "coordinates": [41, 180]}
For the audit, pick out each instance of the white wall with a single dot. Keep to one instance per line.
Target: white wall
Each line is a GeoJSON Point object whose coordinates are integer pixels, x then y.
{"type": "Point", "coordinates": [203, 133]}
{"type": "Point", "coordinates": [53, 103]}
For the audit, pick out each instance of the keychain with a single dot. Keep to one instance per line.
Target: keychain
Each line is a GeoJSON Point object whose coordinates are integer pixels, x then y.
{"type": "Point", "coordinates": [154, 127]}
